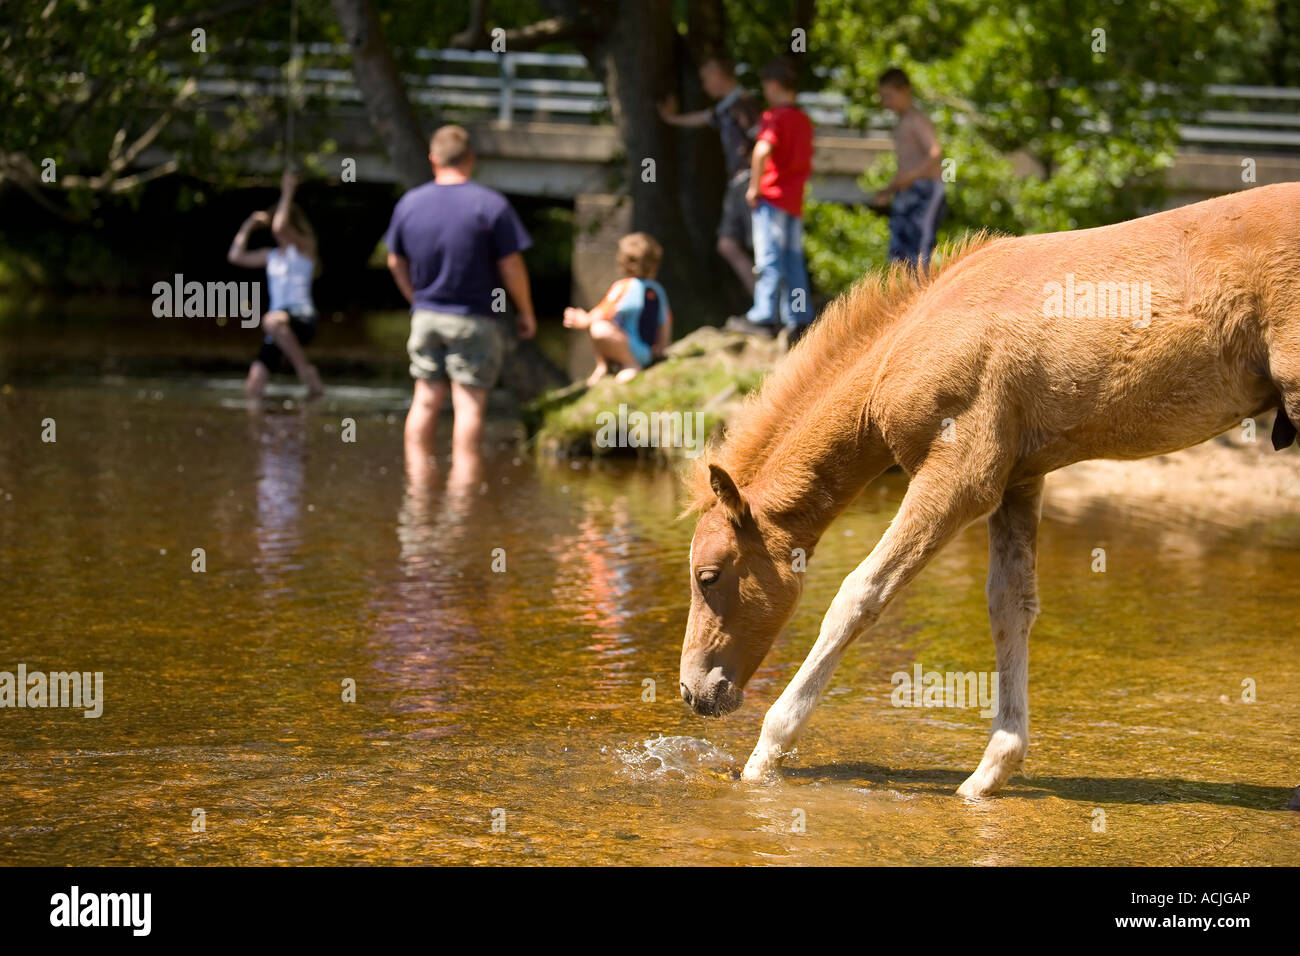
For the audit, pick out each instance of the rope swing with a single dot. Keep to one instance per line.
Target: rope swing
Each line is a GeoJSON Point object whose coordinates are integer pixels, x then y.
{"type": "Point", "coordinates": [291, 69]}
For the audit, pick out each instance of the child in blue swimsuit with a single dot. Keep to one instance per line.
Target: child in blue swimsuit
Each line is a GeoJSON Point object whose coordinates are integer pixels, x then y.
{"type": "Point", "coordinates": [633, 324]}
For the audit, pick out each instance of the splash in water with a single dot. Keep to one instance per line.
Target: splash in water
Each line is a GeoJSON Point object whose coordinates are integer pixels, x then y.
{"type": "Point", "coordinates": [670, 757]}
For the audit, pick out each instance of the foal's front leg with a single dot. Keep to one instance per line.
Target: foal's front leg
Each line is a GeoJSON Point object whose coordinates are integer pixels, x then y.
{"type": "Point", "coordinates": [1013, 605]}
{"type": "Point", "coordinates": [933, 510]}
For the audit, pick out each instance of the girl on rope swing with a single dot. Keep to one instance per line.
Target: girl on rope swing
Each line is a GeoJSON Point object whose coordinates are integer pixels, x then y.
{"type": "Point", "coordinates": [290, 321]}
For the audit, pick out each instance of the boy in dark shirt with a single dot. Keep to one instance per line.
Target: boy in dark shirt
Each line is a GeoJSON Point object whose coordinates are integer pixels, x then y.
{"type": "Point", "coordinates": [735, 116]}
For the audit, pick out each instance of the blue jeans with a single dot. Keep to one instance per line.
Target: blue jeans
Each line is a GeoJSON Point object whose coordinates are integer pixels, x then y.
{"type": "Point", "coordinates": [782, 282]}
{"type": "Point", "coordinates": [914, 216]}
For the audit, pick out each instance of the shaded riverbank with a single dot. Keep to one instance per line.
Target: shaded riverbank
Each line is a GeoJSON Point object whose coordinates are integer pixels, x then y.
{"type": "Point", "coordinates": [80, 337]}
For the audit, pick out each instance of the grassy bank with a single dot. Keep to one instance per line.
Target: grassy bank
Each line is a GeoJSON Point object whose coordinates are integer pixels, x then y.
{"type": "Point", "coordinates": [708, 371]}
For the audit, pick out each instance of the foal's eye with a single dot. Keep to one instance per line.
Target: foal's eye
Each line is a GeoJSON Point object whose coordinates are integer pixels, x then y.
{"type": "Point", "coordinates": [707, 576]}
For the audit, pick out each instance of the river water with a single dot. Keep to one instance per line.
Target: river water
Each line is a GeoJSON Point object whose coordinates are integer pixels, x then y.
{"type": "Point", "coordinates": [513, 638]}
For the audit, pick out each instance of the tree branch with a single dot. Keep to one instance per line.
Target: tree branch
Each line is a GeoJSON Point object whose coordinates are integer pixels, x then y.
{"type": "Point", "coordinates": [384, 91]}
{"type": "Point", "coordinates": [475, 30]}
{"type": "Point", "coordinates": [119, 158]}
{"type": "Point", "coordinates": [127, 183]}
{"type": "Point", "coordinates": [125, 159]}
{"type": "Point", "coordinates": [17, 169]}
{"type": "Point", "coordinates": [179, 25]}
{"type": "Point", "coordinates": [550, 30]}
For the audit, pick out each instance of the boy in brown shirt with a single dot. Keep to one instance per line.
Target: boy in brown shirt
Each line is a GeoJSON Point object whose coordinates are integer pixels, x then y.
{"type": "Point", "coordinates": [915, 195]}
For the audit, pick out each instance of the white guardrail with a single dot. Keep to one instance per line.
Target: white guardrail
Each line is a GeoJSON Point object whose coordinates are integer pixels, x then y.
{"type": "Point", "coordinates": [559, 87]}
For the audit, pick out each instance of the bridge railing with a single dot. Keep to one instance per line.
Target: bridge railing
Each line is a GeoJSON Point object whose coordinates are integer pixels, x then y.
{"type": "Point", "coordinates": [549, 87]}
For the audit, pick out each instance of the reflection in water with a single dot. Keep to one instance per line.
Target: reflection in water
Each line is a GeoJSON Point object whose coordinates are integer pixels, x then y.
{"type": "Point", "coordinates": [280, 440]}
{"type": "Point", "coordinates": [427, 627]}
{"type": "Point", "coordinates": [438, 508]}
{"type": "Point", "coordinates": [595, 578]}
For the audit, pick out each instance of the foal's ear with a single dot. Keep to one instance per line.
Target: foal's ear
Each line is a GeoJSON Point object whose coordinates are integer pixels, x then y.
{"type": "Point", "coordinates": [733, 503]}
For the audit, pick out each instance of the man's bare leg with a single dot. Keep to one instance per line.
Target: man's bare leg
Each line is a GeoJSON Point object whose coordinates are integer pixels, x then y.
{"type": "Point", "coordinates": [470, 406]}
{"type": "Point", "coordinates": [464, 478]}
{"type": "Point", "coordinates": [739, 260]}
{"type": "Point", "coordinates": [421, 469]}
{"type": "Point", "coordinates": [422, 419]}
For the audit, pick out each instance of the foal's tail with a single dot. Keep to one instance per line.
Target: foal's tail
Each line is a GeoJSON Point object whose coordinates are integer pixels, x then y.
{"type": "Point", "coordinates": [1284, 371]}
{"type": "Point", "coordinates": [1284, 432]}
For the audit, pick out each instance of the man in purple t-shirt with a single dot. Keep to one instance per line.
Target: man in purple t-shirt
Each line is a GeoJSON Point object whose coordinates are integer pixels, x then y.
{"type": "Point", "coordinates": [453, 247]}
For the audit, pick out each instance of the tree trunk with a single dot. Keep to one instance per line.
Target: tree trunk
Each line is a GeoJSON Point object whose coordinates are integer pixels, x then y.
{"type": "Point", "coordinates": [706, 25]}
{"type": "Point", "coordinates": [634, 52]}
{"type": "Point", "coordinates": [384, 92]}
{"type": "Point", "coordinates": [701, 174]}
{"type": "Point", "coordinates": [803, 17]}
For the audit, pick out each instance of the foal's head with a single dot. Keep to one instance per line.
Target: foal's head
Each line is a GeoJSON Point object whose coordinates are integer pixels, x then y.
{"type": "Point", "coordinates": [743, 590]}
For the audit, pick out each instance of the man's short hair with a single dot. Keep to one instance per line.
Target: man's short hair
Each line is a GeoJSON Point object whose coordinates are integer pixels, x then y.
{"type": "Point", "coordinates": [639, 255]}
{"type": "Point", "coordinates": [450, 146]}
{"type": "Point", "coordinates": [782, 72]}
{"type": "Point", "coordinates": [896, 78]}
{"type": "Point", "coordinates": [723, 63]}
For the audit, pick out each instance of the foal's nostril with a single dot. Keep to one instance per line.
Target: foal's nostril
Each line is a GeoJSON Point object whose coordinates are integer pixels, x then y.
{"type": "Point", "coordinates": [686, 694]}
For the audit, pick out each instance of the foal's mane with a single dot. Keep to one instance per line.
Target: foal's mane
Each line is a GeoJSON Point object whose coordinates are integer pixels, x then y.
{"type": "Point", "coordinates": [834, 343]}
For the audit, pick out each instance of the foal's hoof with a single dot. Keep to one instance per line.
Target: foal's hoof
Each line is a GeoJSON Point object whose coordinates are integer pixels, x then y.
{"type": "Point", "coordinates": [976, 787]}
{"type": "Point", "coordinates": [761, 769]}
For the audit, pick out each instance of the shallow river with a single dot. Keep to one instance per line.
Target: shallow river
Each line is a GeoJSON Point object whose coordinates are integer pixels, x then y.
{"type": "Point", "coordinates": [506, 716]}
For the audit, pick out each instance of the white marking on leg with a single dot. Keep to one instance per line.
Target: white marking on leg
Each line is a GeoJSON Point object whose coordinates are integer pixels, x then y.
{"type": "Point", "coordinates": [931, 513]}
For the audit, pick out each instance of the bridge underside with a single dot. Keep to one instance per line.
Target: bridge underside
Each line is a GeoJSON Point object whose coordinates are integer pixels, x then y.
{"type": "Point", "coordinates": [564, 161]}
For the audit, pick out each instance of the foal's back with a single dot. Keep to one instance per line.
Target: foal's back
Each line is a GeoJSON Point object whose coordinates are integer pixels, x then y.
{"type": "Point", "coordinates": [1190, 310]}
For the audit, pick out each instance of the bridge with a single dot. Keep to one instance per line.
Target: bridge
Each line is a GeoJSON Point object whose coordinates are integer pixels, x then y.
{"type": "Point", "coordinates": [542, 126]}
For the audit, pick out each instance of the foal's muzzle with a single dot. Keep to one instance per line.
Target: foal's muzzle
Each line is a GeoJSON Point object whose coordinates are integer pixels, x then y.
{"type": "Point", "coordinates": [719, 697]}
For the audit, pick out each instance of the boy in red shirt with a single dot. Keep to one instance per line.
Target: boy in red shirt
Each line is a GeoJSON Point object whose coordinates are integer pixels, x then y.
{"type": "Point", "coordinates": [781, 164]}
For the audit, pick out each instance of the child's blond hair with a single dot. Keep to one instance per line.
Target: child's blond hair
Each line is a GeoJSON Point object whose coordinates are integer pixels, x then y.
{"type": "Point", "coordinates": [639, 255]}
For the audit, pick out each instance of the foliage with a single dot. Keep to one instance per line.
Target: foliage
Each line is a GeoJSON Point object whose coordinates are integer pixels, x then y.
{"type": "Point", "coordinates": [1051, 124]}
{"type": "Point", "coordinates": [105, 87]}
{"type": "Point", "coordinates": [1047, 131]}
